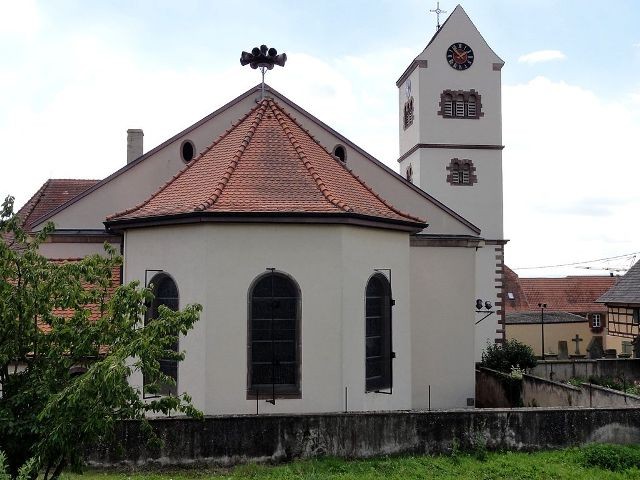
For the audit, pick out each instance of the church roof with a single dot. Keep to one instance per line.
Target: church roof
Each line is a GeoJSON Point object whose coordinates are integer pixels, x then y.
{"type": "Point", "coordinates": [627, 290]}
{"type": "Point", "coordinates": [52, 194]}
{"type": "Point", "coordinates": [265, 166]}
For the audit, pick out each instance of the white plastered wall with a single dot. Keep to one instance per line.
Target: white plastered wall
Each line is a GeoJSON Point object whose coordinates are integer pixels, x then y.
{"type": "Point", "coordinates": [442, 301]}
{"type": "Point", "coordinates": [64, 250]}
{"type": "Point", "coordinates": [214, 264]}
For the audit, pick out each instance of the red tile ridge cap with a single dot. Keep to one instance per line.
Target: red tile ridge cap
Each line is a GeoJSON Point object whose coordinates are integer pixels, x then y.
{"type": "Point", "coordinates": [387, 204]}
{"type": "Point", "coordinates": [231, 168]}
{"type": "Point", "coordinates": [184, 169]}
{"type": "Point", "coordinates": [305, 160]}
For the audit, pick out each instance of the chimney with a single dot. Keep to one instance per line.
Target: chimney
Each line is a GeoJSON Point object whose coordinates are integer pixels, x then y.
{"type": "Point", "coordinates": [134, 144]}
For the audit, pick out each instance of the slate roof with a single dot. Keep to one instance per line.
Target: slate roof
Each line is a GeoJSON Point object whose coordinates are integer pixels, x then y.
{"type": "Point", "coordinates": [515, 318]}
{"type": "Point", "coordinates": [52, 194]}
{"type": "Point", "coordinates": [572, 294]}
{"type": "Point", "coordinates": [627, 290]}
{"type": "Point", "coordinates": [266, 164]}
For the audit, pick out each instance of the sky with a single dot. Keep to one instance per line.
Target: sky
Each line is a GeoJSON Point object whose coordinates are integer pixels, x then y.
{"type": "Point", "coordinates": [75, 75]}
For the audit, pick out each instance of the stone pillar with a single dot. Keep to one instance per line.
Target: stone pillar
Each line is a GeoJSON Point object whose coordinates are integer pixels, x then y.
{"type": "Point", "coordinates": [134, 144]}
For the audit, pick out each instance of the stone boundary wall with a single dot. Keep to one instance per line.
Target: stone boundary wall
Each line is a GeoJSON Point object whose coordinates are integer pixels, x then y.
{"type": "Point", "coordinates": [561, 370]}
{"type": "Point", "coordinates": [540, 392]}
{"type": "Point", "coordinates": [498, 390]}
{"type": "Point", "coordinates": [228, 440]}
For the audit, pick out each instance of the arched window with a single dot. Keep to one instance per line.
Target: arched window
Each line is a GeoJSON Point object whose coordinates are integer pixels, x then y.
{"type": "Point", "coordinates": [274, 352]}
{"type": "Point", "coordinates": [409, 173]}
{"type": "Point", "coordinates": [165, 293]}
{"type": "Point", "coordinates": [378, 334]}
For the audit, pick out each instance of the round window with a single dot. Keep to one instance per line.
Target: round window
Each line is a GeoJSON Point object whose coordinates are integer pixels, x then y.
{"type": "Point", "coordinates": [187, 151]}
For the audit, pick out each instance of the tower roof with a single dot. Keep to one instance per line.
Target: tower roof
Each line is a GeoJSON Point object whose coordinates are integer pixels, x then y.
{"type": "Point", "coordinates": [266, 166]}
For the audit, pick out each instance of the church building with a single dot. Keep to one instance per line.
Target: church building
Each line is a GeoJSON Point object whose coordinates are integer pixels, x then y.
{"type": "Point", "coordinates": [328, 281]}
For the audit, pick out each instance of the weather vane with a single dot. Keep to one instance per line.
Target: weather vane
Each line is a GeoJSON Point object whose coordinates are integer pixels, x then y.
{"type": "Point", "coordinates": [438, 11]}
{"type": "Point", "coordinates": [263, 58]}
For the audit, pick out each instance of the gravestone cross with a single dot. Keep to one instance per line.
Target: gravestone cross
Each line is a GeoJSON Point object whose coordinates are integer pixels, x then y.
{"type": "Point", "coordinates": [577, 341]}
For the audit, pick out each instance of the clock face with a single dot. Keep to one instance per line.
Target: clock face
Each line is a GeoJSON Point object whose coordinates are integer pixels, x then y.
{"type": "Point", "coordinates": [407, 88]}
{"type": "Point", "coordinates": [460, 56]}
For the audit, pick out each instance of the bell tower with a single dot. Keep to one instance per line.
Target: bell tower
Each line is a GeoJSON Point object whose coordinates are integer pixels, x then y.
{"type": "Point", "coordinates": [451, 142]}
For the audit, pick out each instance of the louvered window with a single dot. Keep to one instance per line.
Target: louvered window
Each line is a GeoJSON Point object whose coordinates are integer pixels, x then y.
{"type": "Point", "coordinates": [460, 104]}
{"type": "Point", "coordinates": [461, 172]}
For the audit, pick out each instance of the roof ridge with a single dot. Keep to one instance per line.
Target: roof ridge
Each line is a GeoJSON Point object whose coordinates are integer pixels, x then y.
{"type": "Point", "coordinates": [305, 160]}
{"type": "Point", "coordinates": [185, 168]}
{"type": "Point", "coordinates": [208, 203]}
{"type": "Point", "coordinates": [362, 182]}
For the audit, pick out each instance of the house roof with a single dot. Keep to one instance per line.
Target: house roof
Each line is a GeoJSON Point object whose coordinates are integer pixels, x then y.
{"type": "Point", "coordinates": [515, 318]}
{"type": "Point", "coordinates": [94, 309]}
{"type": "Point", "coordinates": [572, 294]}
{"type": "Point", "coordinates": [52, 194]}
{"type": "Point", "coordinates": [627, 290]}
{"type": "Point", "coordinates": [268, 165]}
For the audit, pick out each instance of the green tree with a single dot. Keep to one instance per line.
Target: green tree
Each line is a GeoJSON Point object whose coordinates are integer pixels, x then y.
{"type": "Point", "coordinates": [60, 317]}
{"type": "Point", "coordinates": [511, 353]}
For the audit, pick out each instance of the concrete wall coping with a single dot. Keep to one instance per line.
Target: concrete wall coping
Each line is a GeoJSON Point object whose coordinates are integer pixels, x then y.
{"type": "Point", "coordinates": [551, 382]}
{"type": "Point", "coordinates": [610, 390]}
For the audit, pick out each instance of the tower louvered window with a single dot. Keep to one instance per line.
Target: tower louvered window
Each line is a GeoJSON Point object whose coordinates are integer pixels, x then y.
{"type": "Point", "coordinates": [461, 171]}
{"type": "Point", "coordinates": [408, 113]}
{"type": "Point", "coordinates": [460, 104]}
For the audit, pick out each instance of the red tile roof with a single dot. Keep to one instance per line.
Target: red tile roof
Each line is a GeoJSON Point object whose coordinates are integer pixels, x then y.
{"type": "Point", "coordinates": [573, 294]}
{"type": "Point", "coordinates": [94, 308]}
{"type": "Point", "coordinates": [53, 193]}
{"type": "Point", "coordinates": [266, 164]}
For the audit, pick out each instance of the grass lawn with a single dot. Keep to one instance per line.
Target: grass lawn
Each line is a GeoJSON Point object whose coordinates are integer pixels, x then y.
{"type": "Point", "coordinates": [614, 463]}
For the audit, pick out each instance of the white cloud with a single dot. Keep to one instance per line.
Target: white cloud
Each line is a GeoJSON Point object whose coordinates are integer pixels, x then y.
{"type": "Point", "coordinates": [637, 45]}
{"type": "Point", "coordinates": [569, 191]}
{"type": "Point", "coordinates": [19, 17]}
{"type": "Point", "coordinates": [542, 56]}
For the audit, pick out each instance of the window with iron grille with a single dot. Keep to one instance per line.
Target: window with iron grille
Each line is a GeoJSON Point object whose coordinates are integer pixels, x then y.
{"type": "Point", "coordinates": [461, 172]}
{"type": "Point", "coordinates": [379, 353]}
{"type": "Point", "coordinates": [165, 293]}
{"type": "Point", "coordinates": [274, 336]}
{"type": "Point", "coordinates": [460, 104]}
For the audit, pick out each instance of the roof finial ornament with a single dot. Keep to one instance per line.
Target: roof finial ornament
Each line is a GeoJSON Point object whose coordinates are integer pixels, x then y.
{"type": "Point", "coordinates": [438, 11]}
{"type": "Point", "coordinates": [263, 58]}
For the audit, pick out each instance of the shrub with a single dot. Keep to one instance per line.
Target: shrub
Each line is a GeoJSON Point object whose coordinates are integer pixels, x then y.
{"type": "Point", "coordinates": [611, 457]}
{"type": "Point", "coordinates": [510, 354]}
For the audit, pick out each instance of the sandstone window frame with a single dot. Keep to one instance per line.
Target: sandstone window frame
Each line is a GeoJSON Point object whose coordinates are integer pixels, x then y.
{"type": "Point", "coordinates": [461, 104]}
{"type": "Point", "coordinates": [461, 172]}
